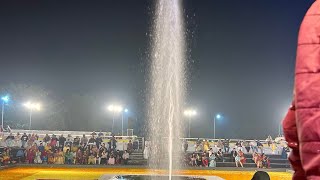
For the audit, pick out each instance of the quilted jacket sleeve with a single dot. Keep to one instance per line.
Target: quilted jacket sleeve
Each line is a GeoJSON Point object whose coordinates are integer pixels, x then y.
{"type": "Point", "coordinates": [307, 92]}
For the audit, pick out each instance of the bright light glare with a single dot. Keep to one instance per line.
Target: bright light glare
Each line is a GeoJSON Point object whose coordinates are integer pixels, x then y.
{"type": "Point", "coordinates": [5, 98]}
{"type": "Point", "coordinates": [32, 106]}
{"type": "Point", "coordinates": [115, 108]}
{"type": "Point", "coordinates": [218, 116]}
{"type": "Point", "coordinates": [190, 112]}
{"type": "Point", "coordinates": [126, 110]}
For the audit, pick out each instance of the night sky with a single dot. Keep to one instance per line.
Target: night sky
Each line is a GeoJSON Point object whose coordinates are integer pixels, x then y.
{"type": "Point", "coordinates": [241, 60]}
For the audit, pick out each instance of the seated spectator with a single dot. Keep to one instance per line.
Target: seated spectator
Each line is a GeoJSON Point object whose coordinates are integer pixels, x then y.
{"type": "Point", "coordinates": [41, 147]}
{"type": "Point", "coordinates": [91, 158]}
{"type": "Point", "coordinates": [37, 158]}
{"type": "Point", "coordinates": [44, 156]}
{"type": "Point", "coordinates": [79, 157]}
{"type": "Point", "coordinates": [50, 156]}
{"type": "Point", "coordinates": [242, 157]}
{"type": "Point", "coordinates": [205, 161]}
{"type": "Point", "coordinates": [193, 160]}
{"type": "Point", "coordinates": [220, 155]}
{"type": "Point", "coordinates": [111, 160]}
{"type": "Point", "coordinates": [199, 160]}
{"type": "Point", "coordinates": [212, 159]}
{"type": "Point", "coordinates": [30, 156]}
{"type": "Point", "coordinates": [104, 156]}
{"type": "Point", "coordinates": [125, 157]}
{"type": "Point", "coordinates": [20, 155]}
{"type": "Point", "coordinates": [68, 157]}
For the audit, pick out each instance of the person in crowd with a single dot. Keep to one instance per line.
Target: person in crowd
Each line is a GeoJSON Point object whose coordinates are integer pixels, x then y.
{"type": "Point", "coordinates": [265, 161]}
{"type": "Point", "coordinates": [246, 145]}
{"type": "Point", "coordinates": [111, 160]}
{"type": "Point", "coordinates": [205, 160]}
{"type": "Point", "coordinates": [100, 134]}
{"type": "Point", "coordinates": [113, 143]}
{"type": "Point", "coordinates": [37, 158]}
{"type": "Point", "coordinates": [46, 139]}
{"type": "Point", "coordinates": [65, 148]}
{"type": "Point", "coordinates": [24, 139]}
{"type": "Point", "coordinates": [92, 158]}
{"type": "Point", "coordinates": [118, 157]}
{"type": "Point", "coordinates": [255, 157]}
{"type": "Point", "coordinates": [199, 160]}
{"type": "Point", "coordinates": [44, 156]}
{"type": "Point", "coordinates": [79, 156]}
{"type": "Point", "coordinates": [30, 156]}
{"type": "Point", "coordinates": [99, 141]}
{"type": "Point", "coordinates": [84, 139]}
{"type": "Point", "coordinates": [260, 146]}
{"type": "Point", "coordinates": [206, 146]}
{"type": "Point", "coordinates": [269, 140]}
{"type": "Point", "coordinates": [21, 155]}
{"type": "Point", "coordinates": [220, 156]}
{"type": "Point", "coordinates": [104, 156]}
{"type": "Point", "coordinates": [76, 141]}
{"type": "Point", "coordinates": [253, 145]}
{"type": "Point", "coordinates": [193, 160]}
{"type": "Point", "coordinates": [92, 141]}
{"type": "Point", "coordinates": [237, 160]}
{"type": "Point", "coordinates": [212, 159]}
{"type": "Point", "coordinates": [129, 147]}
{"type": "Point", "coordinates": [69, 140]}
{"type": "Point", "coordinates": [50, 157]}
{"type": "Point", "coordinates": [226, 145]}
{"type": "Point", "coordinates": [62, 140]}
{"type": "Point", "coordinates": [68, 157]}
{"type": "Point", "coordinates": [41, 148]}
{"type": "Point", "coordinates": [93, 134]}
{"type": "Point", "coordinates": [242, 157]}
{"type": "Point", "coordinates": [125, 157]}
{"type": "Point", "coordinates": [59, 159]}
{"type": "Point", "coordinates": [185, 145]}
{"type": "Point", "coordinates": [53, 141]}
{"type": "Point", "coordinates": [233, 154]}
{"type": "Point", "coordinates": [220, 144]}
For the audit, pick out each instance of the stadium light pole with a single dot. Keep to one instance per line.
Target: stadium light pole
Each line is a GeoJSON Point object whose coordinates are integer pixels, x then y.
{"type": "Point", "coordinates": [190, 113]}
{"type": "Point", "coordinates": [126, 111]}
{"type": "Point", "coordinates": [31, 106]}
{"type": "Point", "coordinates": [5, 99]}
{"type": "Point", "coordinates": [114, 109]}
{"type": "Point", "coordinates": [217, 116]}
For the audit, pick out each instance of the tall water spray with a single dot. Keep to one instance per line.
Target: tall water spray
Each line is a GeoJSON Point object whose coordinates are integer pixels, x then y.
{"type": "Point", "coordinates": [167, 86]}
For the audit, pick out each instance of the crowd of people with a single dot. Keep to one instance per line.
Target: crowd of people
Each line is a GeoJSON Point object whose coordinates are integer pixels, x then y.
{"type": "Point", "coordinates": [63, 150]}
{"type": "Point", "coordinates": [207, 156]}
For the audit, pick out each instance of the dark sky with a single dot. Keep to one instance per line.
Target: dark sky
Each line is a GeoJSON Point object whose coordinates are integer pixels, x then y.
{"type": "Point", "coordinates": [242, 54]}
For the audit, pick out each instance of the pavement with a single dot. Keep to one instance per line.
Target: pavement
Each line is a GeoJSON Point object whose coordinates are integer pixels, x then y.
{"type": "Point", "coordinates": [93, 172]}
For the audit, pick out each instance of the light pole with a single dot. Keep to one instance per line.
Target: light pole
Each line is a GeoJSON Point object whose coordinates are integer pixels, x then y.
{"type": "Point", "coordinates": [5, 99]}
{"type": "Point", "coordinates": [31, 106]}
{"type": "Point", "coordinates": [217, 116]}
{"type": "Point", "coordinates": [190, 113]}
{"type": "Point", "coordinates": [126, 111]}
{"type": "Point", "coordinates": [115, 109]}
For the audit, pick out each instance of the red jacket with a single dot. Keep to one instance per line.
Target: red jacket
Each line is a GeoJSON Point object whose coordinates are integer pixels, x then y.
{"type": "Point", "coordinates": [302, 124]}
